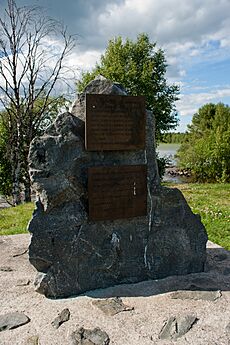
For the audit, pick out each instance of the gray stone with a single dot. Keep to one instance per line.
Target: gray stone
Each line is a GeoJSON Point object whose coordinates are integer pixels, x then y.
{"type": "Point", "coordinates": [176, 327]}
{"type": "Point", "coordinates": [197, 295]}
{"type": "Point", "coordinates": [226, 271]}
{"type": "Point", "coordinates": [12, 320]}
{"type": "Point", "coordinates": [73, 254]}
{"type": "Point", "coordinates": [61, 318]}
{"type": "Point", "coordinates": [6, 269]}
{"type": "Point", "coordinates": [221, 257]}
{"type": "Point", "coordinates": [34, 340]}
{"type": "Point", "coordinates": [227, 328]}
{"type": "Point", "coordinates": [111, 306]}
{"type": "Point", "coordinates": [23, 282]}
{"type": "Point", "coordinates": [89, 337]}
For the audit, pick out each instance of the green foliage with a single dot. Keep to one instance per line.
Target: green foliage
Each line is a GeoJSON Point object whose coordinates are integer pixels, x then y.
{"type": "Point", "coordinates": [161, 163]}
{"type": "Point", "coordinates": [26, 91]}
{"type": "Point", "coordinates": [212, 202]}
{"type": "Point", "coordinates": [140, 67]}
{"type": "Point", "coordinates": [14, 220]}
{"type": "Point", "coordinates": [34, 125]}
{"type": "Point", "coordinates": [206, 150]}
{"type": "Point", "coordinates": [173, 138]}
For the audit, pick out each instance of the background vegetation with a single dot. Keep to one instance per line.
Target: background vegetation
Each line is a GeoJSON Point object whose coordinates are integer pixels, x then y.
{"type": "Point", "coordinates": [141, 68]}
{"type": "Point", "coordinates": [14, 220]}
{"type": "Point", "coordinates": [206, 149]}
{"type": "Point", "coordinates": [173, 138]}
{"type": "Point", "coordinates": [29, 70]}
{"type": "Point", "coordinates": [212, 202]}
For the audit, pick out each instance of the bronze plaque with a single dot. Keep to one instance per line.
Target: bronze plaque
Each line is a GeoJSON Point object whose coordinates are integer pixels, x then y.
{"type": "Point", "coordinates": [115, 122]}
{"type": "Point", "coordinates": [117, 192]}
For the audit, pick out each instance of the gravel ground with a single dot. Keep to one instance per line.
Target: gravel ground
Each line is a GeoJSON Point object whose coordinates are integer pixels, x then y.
{"type": "Point", "coordinates": [153, 303]}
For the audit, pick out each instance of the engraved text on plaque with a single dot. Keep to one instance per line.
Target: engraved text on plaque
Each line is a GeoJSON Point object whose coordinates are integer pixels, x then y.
{"type": "Point", "coordinates": [115, 122]}
{"type": "Point", "coordinates": [117, 192]}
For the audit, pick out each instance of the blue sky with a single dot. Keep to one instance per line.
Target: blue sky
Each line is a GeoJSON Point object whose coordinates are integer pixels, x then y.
{"type": "Point", "coordinates": [195, 36]}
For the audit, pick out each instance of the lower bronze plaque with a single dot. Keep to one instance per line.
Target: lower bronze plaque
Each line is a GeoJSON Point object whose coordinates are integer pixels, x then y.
{"type": "Point", "coordinates": [117, 192]}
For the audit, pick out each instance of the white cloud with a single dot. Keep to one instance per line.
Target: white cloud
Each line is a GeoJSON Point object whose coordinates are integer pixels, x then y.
{"type": "Point", "coordinates": [184, 29]}
{"type": "Point", "coordinates": [190, 32]}
{"type": "Point", "coordinates": [85, 60]}
{"type": "Point", "coordinates": [190, 103]}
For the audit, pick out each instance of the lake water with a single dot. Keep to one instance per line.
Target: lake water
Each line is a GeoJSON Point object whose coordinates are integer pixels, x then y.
{"type": "Point", "coordinates": [169, 151]}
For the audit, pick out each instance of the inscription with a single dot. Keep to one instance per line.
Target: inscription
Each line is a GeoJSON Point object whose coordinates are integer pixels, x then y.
{"type": "Point", "coordinates": [117, 192]}
{"type": "Point", "coordinates": [115, 122]}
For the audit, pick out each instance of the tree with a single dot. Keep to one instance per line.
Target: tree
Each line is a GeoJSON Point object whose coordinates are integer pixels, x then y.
{"type": "Point", "coordinates": [174, 138]}
{"type": "Point", "coordinates": [206, 149]}
{"type": "Point", "coordinates": [6, 183]}
{"type": "Point", "coordinates": [5, 168]}
{"type": "Point", "coordinates": [140, 67]}
{"type": "Point", "coordinates": [30, 67]}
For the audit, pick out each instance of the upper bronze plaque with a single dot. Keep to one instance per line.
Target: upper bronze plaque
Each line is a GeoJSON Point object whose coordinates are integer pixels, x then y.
{"type": "Point", "coordinates": [115, 122]}
{"type": "Point", "coordinates": [117, 192]}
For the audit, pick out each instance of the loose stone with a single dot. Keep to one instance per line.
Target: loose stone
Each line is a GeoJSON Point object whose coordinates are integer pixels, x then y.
{"type": "Point", "coordinates": [12, 320]}
{"type": "Point", "coordinates": [227, 329]}
{"type": "Point", "coordinates": [34, 340]}
{"type": "Point", "coordinates": [23, 282]}
{"type": "Point", "coordinates": [176, 327]}
{"type": "Point", "coordinates": [89, 337]}
{"type": "Point", "coordinates": [61, 318]}
{"type": "Point", "coordinates": [111, 306]}
{"type": "Point", "coordinates": [6, 269]}
{"type": "Point", "coordinates": [197, 295]}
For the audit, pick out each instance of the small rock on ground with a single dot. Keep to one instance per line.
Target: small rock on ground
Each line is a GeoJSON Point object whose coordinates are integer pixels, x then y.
{"type": "Point", "coordinates": [34, 340]}
{"type": "Point", "coordinates": [111, 306]}
{"type": "Point", "coordinates": [12, 320]}
{"type": "Point", "coordinates": [84, 336]}
{"type": "Point", "coordinates": [62, 317]}
{"type": "Point", "coordinates": [197, 295]}
{"type": "Point", "coordinates": [176, 327]}
{"type": "Point", "coordinates": [227, 329]}
{"type": "Point", "coordinates": [23, 282]}
{"type": "Point", "coordinates": [6, 269]}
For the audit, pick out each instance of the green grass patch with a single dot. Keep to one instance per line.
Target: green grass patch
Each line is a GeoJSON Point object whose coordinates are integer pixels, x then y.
{"type": "Point", "coordinates": [14, 220]}
{"type": "Point", "coordinates": [212, 202]}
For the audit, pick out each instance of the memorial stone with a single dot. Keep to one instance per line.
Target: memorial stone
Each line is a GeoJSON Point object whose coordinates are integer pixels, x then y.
{"type": "Point", "coordinates": [102, 217]}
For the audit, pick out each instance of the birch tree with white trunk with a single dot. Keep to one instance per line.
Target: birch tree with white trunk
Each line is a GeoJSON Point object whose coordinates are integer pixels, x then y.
{"type": "Point", "coordinates": [33, 53]}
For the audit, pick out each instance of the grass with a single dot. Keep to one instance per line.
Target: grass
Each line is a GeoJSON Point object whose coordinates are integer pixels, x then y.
{"type": "Point", "coordinates": [211, 201]}
{"type": "Point", "coordinates": [14, 220]}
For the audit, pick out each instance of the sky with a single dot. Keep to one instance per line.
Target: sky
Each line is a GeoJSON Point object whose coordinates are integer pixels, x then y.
{"type": "Point", "coordinates": [194, 34]}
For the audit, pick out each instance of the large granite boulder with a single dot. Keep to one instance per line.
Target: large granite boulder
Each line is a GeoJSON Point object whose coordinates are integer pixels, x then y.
{"type": "Point", "coordinates": [74, 254]}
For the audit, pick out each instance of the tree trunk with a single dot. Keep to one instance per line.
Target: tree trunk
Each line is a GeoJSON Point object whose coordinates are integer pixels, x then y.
{"type": "Point", "coordinates": [27, 186]}
{"type": "Point", "coordinates": [16, 185]}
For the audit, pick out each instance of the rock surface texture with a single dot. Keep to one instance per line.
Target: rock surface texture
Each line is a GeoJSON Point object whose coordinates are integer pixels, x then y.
{"type": "Point", "coordinates": [73, 254]}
